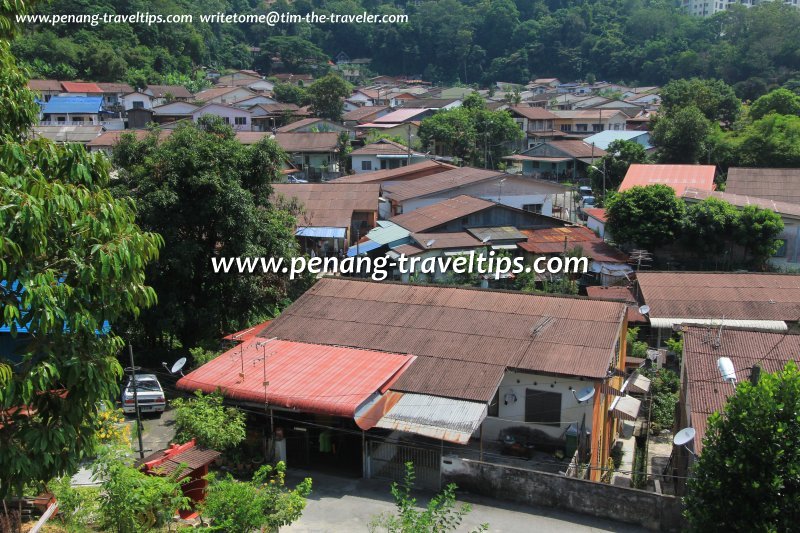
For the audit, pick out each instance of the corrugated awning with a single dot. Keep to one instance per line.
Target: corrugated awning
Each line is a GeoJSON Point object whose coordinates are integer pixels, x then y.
{"type": "Point", "coordinates": [504, 247]}
{"type": "Point", "coordinates": [436, 417]}
{"type": "Point", "coordinates": [362, 248]}
{"type": "Point", "coordinates": [321, 232]}
{"type": "Point", "coordinates": [763, 325]}
{"type": "Point", "coordinates": [626, 407]}
{"type": "Point", "coordinates": [638, 383]}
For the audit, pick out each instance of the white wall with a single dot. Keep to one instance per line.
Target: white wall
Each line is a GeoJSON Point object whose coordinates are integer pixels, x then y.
{"type": "Point", "coordinates": [513, 414]}
{"type": "Point", "coordinates": [510, 200]}
{"type": "Point", "coordinates": [596, 226]}
{"type": "Point", "coordinates": [129, 99]}
{"type": "Point", "coordinates": [358, 159]}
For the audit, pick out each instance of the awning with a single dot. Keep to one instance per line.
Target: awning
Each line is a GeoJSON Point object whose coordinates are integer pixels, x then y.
{"type": "Point", "coordinates": [393, 156]}
{"type": "Point", "coordinates": [540, 159]}
{"type": "Point", "coordinates": [626, 407]}
{"type": "Point", "coordinates": [362, 248]}
{"type": "Point", "coordinates": [436, 417]}
{"type": "Point", "coordinates": [762, 325]}
{"type": "Point", "coordinates": [638, 383]}
{"type": "Point", "coordinates": [321, 232]}
{"type": "Point", "coordinates": [504, 247]}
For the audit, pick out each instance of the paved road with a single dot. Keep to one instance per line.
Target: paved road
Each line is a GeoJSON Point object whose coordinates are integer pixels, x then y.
{"type": "Point", "coordinates": [348, 505]}
{"type": "Point", "coordinates": [158, 432]}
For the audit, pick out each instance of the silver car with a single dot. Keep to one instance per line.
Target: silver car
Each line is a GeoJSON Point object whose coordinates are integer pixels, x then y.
{"type": "Point", "coordinates": [150, 395]}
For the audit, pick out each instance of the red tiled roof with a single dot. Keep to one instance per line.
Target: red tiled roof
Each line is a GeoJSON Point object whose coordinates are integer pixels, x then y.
{"type": "Point", "coordinates": [430, 216]}
{"type": "Point", "coordinates": [461, 330]}
{"type": "Point", "coordinates": [111, 138]}
{"type": "Point", "coordinates": [533, 113]}
{"type": "Point", "coordinates": [330, 204]}
{"type": "Point", "coordinates": [314, 378]}
{"type": "Point", "coordinates": [679, 177]}
{"type": "Point", "coordinates": [597, 213]}
{"type": "Point", "coordinates": [705, 390]}
{"type": "Point", "coordinates": [557, 240]}
{"type": "Point", "coordinates": [408, 172]}
{"type": "Point", "coordinates": [712, 295]}
{"type": "Point", "coordinates": [80, 87]}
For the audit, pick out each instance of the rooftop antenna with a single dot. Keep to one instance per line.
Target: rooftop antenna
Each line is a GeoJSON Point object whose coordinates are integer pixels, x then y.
{"type": "Point", "coordinates": [430, 243]}
{"type": "Point", "coordinates": [176, 367]}
{"type": "Point", "coordinates": [583, 395]}
{"type": "Point", "coordinates": [684, 437]}
{"type": "Point", "coordinates": [718, 342]}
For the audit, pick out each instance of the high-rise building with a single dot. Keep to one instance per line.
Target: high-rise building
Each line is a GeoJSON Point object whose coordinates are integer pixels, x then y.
{"type": "Point", "coordinates": [706, 8]}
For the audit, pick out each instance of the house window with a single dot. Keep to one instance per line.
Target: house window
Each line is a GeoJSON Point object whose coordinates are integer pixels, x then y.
{"type": "Point", "coordinates": [227, 120]}
{"type": "Point", "coordinates": [582, 127]}
{"type": "Point", "coordinates": [240, 121]}
{"type": "Point", "coordinates": [138, 104]}
{"type": "Point", "coordinates": [597, 127]}
{"type": "Point", "coordinates": [542, 407]}
{"type": "Point", "coordinates": [61, 119]}
{"type": "Point", "coordinates": [77, 119]}
{"type": "Point", "coordinates": [533, 208]}
{"type": "Point", "coordinates": [366, 165]}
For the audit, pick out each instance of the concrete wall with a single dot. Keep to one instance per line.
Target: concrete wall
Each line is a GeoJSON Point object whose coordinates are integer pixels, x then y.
{"type": "Point", "coordinates": [647, 509]}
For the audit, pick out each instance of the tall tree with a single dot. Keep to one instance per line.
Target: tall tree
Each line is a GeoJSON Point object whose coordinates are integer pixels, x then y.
{"type": "Point", "coordinates": [619, 157]}
{"type": "Point", "coordinates": [709, 226]}
{"type": "Point", "coordinates": [714, 98]}
{"type": "Point", "coordinates": [645, 217]}
{"type": "Point", "coordinates": [780, 101]}
{"type": "Point", "coordinates": [758, 232]}
{"type": "Point", "coordinates": [746, 477]}
{"type": "Point", "coordinates": [682, 135]}
{"type": "Point", "coordinates": [209, 196]}
{"type": "Point", "coordinates": [72, 260]}
{"type": "Point", "coordinates": [326, 96]}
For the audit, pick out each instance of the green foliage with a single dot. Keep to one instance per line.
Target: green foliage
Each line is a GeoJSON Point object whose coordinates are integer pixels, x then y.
{"type": "Point", "coordinates": [77, 506]}
{"type": "Point", "coordinates": [209, 196]}
{"type": "Point", "coordinates": [472, 133]}
{"type": "Point", "coordinates": [709, 226]}
{"type": "Point", "coordinates": [772, 141]}
{"type": "Point", "coordinates": [746, 477]}
{"type": "Point", "coordinates": [201, 356]}
{"type": "Point", "coordinates": [681, 135]}
{"type": "Point", "coordinates": [780, 101]}
{"type": "Point", "coordinates": [758, 233]}
{"type": "Point", "coordinates": [131, 501]}
{"type": "Point", "coordinates": [636, 348]}
{"type": "Point", "coordinates": [71, 258]}
{"type": "Point", "coordinates": [675, 344]}
{"type": "Point", "coordinates": [621, 155]}
{"type": "Point", "coordinates": [645, 217]}
{"type": "Point", "coordinates": [289, 93]}
{"type": "Point", "coordinates": [714, 98]}
{"type": "Point", "coordinates": [296, 53]}
{"type": "Point", "coordinates": [205, 419]}
{"type": "Point", "coordinates": [326, 96]}
{"type": "Point", "coordinates": [440, 515]}
{"type": "Point", "coordinates": [664, 390]}
{"type": "Point", "coordinates": [261, 504]}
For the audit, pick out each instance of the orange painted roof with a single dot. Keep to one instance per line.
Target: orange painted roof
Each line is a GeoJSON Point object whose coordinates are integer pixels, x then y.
{"type": "Point", "coordinates": [679, 177]}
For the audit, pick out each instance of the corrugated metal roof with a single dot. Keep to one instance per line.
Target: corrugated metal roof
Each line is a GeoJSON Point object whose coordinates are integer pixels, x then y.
{"type": "Point", "coordinates": [330, 204]}
{"type": "Point", "coordinates": [436, 417]}
{"type": "Point", "coordinates": [407, 172]}
{"type": "Point", "coordinates": [783, 208]}
{"type": "Point", "coordinates": [679, 177]}
{"type": "Point", "coordinates": [533, 113]}
{"type": "Point", "coordinates": [779, 184]}
{"type": "Point", "coordinates": [706, 392]}
{"type": "Point", "coordinates": [80, 134]}
{"type": "Point", "coordinates": [73, 104]}
{"type": "Point", "coordinates": [362, 248]}
{"type": "Point", "coordinates": [333, 380]}
{"type": "Point", "coordinates": [435, 183]}
{"type": "Point", "coordinates": [308, 142]}
{"type": "Point", "coordinates": [80, 87]}
{"type": "Point", "coordinates": [464, 338]}
{"type": "Point", "coordinates": [44, 85]}
{"type": "Point", "coordinates": [438, 241]}
{"type": "Point", "coordinates": [430, 216]}
{"type": "Point", "coordinates": [498, 233]}
{"type": "Point", "coordinates": [400, 116]}
{"type": "Point", "coordinates": [558, 240]}
{"type": "Point", "coordinates": [763, 325]}
{"type": "Point", "coordinates": [321, 232]}
{"type": "Point", "coordinates": [712, 295]}
{"type": "Point", "coordinates": [388, 232]}
{"type": "Point", "coordinates": [604, 138]}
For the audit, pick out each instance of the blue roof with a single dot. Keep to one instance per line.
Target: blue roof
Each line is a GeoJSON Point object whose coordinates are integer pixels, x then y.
{"type": "Point", "coordinates": [322, 232]}
{"type": "Point", "coordinates": [604, 138]}
{"type": "Point", "coordinates": [362, 248]}
{"type": "Point", "coordinates": [73, 104]}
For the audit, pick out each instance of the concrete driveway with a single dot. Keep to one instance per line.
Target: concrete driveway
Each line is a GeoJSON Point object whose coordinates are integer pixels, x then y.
{"type": "Point", "coordinates": [339, 504]}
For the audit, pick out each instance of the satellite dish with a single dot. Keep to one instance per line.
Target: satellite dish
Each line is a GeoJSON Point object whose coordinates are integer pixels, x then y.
{"type": "Point", "coordinates": [726, 370]}
{"type": "Point", "coordinates": [430, 243]}
{"type": "Point", "coordinates": [684, 437]}
{"type": "Point", "coordinates": [177, 367]}
{"type": "Point", "coordinates": [644, 309]}
{"type": "Point", "coordinates": [584, 395]}
{"type": "Point", "coordinates": [486, 239]}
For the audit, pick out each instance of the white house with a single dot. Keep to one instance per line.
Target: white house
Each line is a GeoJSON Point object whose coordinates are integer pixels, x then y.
{"type": "Point", "coordinates": [238, 119]}
{"type": "Point", "coordinates": [137, 100]}
{"type": "Point", "coordinates": [383, 155]}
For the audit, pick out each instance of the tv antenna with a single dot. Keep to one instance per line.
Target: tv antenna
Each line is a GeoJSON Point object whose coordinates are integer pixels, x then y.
{"type": "Point", "coordinates": [176, 367]}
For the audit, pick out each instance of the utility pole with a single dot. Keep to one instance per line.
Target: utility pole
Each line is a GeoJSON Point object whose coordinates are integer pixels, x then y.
{"type": "Point", "coordinates": [409, 143]}
{"type": "Point", "coordinates": [136, 402]}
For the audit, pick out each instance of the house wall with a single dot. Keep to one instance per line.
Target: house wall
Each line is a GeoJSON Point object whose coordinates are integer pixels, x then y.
{"type": "Point", "coordinates": [380, 164]}
{"type": "Point", "coordinates": [228, 114]}
{"type": "Point", "coordinates": [586, 124]}
{"type": "Point", "coordinates": [70, 118]}
{"type": "Point", "coordinates": [129, 99]}
{"type": "Point", "coordinates": [789, 255]}
{"type": "Point", "coordinates": [650, 510]}
{"type": "Point", "coordinates": [512, 413]}
{"type": "Point", "coordinates": [596, 226]}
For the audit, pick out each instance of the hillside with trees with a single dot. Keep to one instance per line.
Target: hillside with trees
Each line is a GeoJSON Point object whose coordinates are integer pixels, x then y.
{"type": "Point", "coordinates": [646, 42]}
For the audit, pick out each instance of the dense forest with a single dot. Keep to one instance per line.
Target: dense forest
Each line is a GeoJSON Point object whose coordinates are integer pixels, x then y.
{"type": "Point", "coordinates": [449, 41]}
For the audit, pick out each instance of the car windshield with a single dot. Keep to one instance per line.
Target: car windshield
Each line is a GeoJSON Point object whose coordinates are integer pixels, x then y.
{"type": "Point", "coordinates": [588, 200]}
{"type": "Point", "coordinates": [145, 385]}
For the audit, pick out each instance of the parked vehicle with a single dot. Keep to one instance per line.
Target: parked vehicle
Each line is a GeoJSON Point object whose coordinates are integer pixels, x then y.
{"type": "Point", "coordinates": [587, 201]}
{"type": "Point", "coordinates": [150, 395]}
{"type": "Point", "coordinates": [584, 191]}
{"type": "Point", "coordinates": [292, 179]}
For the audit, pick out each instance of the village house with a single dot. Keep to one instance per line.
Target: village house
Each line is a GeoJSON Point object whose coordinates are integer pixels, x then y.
{"type": "Point", "coordinates": [268, 117]}
{"type": "Point", "coordinates": [113, 94]}
{"type": "Point", "coordinates": [679, 177]}
{"type": "Point", "coordinates": [604, 138]}
{"type": "Point", "coordinates": [162, 94]}
{"type": "Point", "coordinates": [334, 214]}
{"type": "Point", "coordinates": [223, 95]}
{"type": "Point", "coordinates": [173, 112]}
{"type": "Point", "coordinates": [557, 159]}
{"type": "Point", "coordinates": [703, 389]}
{"type": "Point", "coordinates": [536, 122]}
{"type": "Point", "coordinates": [67, 134]}
{"type": "Point", "coordinates": [765, 302]}
{"type": "Point", "coordinates": [596, 219]}
{"type": "Point", "coordinates": [788, 254]}
{"type": "Point", "coordinates": [46, 88]}
{"type": "Point", "coordinates": [383, 155]}
{"type": "Point", "coordinates": [529, 194]}
{"type": "Point", "coordinates": [436, 375]}
{"type": "Point", "coordinates": [589, 121]}
{"type": "Point", "coordinates": [136, 100]}
{"type": "Point", "coordinates": [314, 125]}
{"type": "Point", "coordinates": [248, 103]}
{"type": "Point", "coordinates": [238, 119]}
{"type": "Point", "coordinates": [413, 171]}
{"type": "Point", "coordinates": [315, 154]}
{"type": "Point", "coordinates": [364, 115]}
{"type": "Point", "coordinates": [73, 111]}
{"type": "Point", "coordinates": [81, 88]}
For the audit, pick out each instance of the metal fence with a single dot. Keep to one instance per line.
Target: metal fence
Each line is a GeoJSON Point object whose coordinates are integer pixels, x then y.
{"type": "Point", "coordinates": [387, 461]}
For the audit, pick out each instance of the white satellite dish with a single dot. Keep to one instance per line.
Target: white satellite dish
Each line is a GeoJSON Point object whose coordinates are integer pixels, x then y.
{"type": "Point", "coordinates": [584, 395]}
{"type": "Point", "coordinates": [684, 437]}
{"type": "Point", "coordinates": [726, 370]}
{"type": "Point", "coordinates": [177, 367]}
{"type": "Point", "coordinates": [486, 239]}
{"type": "Point", "coordinates": [430, 243]}
{"type": "Point", "coordinates": [644, 309]}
